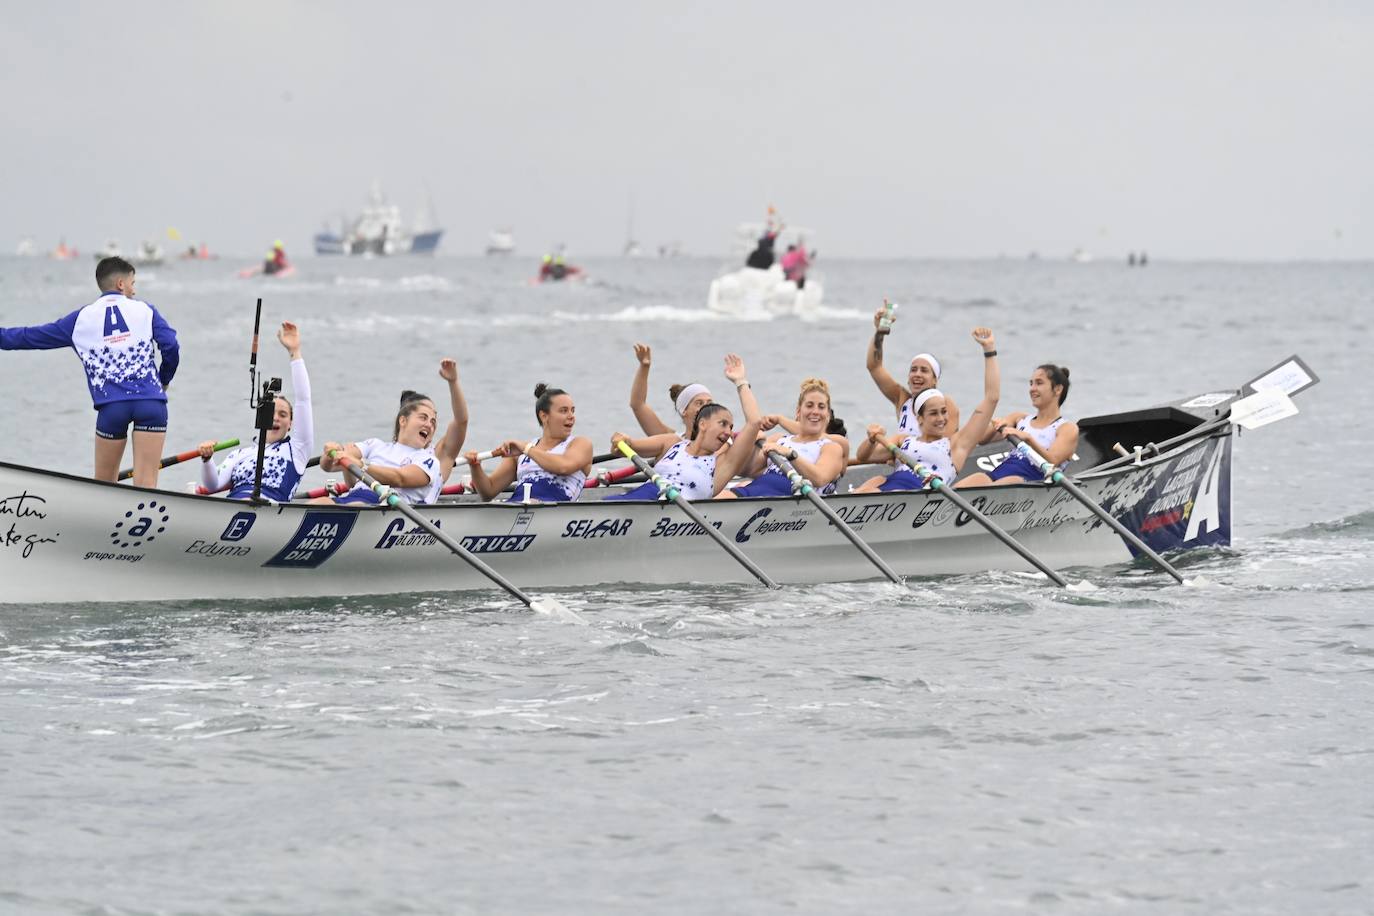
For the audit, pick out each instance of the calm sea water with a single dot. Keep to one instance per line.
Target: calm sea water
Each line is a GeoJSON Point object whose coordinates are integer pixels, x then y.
{"type": "Point", "coordinates": [977, 744]}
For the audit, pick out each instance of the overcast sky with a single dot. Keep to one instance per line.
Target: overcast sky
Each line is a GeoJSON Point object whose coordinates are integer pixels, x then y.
{"type": "Point", "coordinates": [1193, 130]}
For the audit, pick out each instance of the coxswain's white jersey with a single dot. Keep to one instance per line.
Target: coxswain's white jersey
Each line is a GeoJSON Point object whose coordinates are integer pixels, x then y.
{"type": "Point", "coordinates": [283, 462]}
{"type": "Point", "coordinates": [527, 469]}
{"type": "Point", "coordinates": [114, 338]}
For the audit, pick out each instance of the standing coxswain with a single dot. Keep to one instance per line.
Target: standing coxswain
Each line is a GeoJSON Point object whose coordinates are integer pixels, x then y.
{"type": "Point", "coordinates": [114, 337]}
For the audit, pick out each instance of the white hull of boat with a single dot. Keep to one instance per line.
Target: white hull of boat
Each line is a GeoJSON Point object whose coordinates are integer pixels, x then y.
{"type": "Point", "coordinates": [70, 539]}
{"type": "Point", "coordinates": [750, 292]}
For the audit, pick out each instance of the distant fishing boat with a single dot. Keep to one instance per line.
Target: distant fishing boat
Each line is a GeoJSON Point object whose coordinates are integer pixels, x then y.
{"type": "Point", "coordinates": [379, 232]}
{"type": "Point", "coordinates": [501, 241]}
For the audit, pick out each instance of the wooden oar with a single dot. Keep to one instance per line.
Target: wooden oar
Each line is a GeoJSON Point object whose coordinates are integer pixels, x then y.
{"type": "Point", "coordinates": [545, 605]}
{"type": "Point", "coordinates": [183, 456]}
{"type": "Point", "coordinates": [955, 497]}
{"type": "Point", "coordinates": [1032, 451]}
{"type": "Point", "coordinates": [800, 483]}
{"type": "Point", "coordinates": [686, 506]}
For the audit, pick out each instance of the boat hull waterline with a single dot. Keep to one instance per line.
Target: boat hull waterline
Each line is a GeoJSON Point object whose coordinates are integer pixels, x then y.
{"type": "Point", "coordinates": [70, 539]}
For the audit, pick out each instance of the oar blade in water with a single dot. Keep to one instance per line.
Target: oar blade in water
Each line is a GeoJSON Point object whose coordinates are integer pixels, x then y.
{"type": "Point", "coordinates": [552, 607]}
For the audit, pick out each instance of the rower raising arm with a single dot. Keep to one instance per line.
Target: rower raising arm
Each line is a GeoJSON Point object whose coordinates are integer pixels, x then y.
{"type": "Point", "coordinates": [639, 395]}
{"type": "Point", "coordinates": [450, 447]}
{"type": "Point", "coordinates": [923, 373]}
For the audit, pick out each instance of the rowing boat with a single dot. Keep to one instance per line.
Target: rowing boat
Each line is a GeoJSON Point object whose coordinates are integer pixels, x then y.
{"type": "Point", "coordinates": [65, 538]}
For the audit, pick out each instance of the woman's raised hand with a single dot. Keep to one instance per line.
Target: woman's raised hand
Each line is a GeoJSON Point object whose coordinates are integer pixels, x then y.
{"type": "Point", "coordinates": [290, 337]}
{"type": "Point", "coordinates": [448, 369]}
{"type": "Point", "coordinates": [734, 368]}
{"type": "Point", "coordinates": [985, 339]}
{"type": "Point", "coordinates": [878, 318]}
{"type": "Point", "coordinates": [643, 354]}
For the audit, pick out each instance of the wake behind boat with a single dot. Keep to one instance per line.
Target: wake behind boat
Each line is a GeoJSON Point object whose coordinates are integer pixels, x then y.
{"type": "Point", "coordinates": [69, 538]}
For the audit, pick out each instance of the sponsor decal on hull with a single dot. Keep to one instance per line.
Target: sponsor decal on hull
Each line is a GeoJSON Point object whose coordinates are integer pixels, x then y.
{"type": "Point", "coordinates": [317, 538]}
{"type": "Point", "coordinates": [26, 510]}
{"type": "Point", "coordinates": [757, 525]}
{"type": "Point", "coordinates": [513, 541]}
{"type": "Point", "coordinates": [857, 516]}
{"type": "Point", "coordinates": [1189, 504]}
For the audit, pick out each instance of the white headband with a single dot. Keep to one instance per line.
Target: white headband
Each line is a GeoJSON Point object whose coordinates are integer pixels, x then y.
{"type": "Point", "coordinates": [925, 396]}
{"type": "Point", "coordinates": [686, 395]}
{"type": "Point", "coordinates": [934, 363]}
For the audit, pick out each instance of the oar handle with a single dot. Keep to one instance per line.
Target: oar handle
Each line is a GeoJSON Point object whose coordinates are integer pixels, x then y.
{"type": "Point", "coordinates": [181, 456]}
{"type": "Point", "coordinates": [935, 482]}
{"type": "Point", "coordinates": [685, 505]}
{"type": "Point", "coordinates": [802, 485]}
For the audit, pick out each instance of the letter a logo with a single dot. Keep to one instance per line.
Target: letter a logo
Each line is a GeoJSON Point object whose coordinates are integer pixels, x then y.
{"type": "Point", "coordinates": [114, 321]}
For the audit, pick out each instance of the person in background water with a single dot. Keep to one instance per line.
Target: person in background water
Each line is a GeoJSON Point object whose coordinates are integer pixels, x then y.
{"type": "Point", "coordinates": [762, 255]}
{"type": "Point", "coordinates": [276, 259]}
{"type": "Point", "coordinates": [114, 337]}
{"type": "Point", "coordinates": [795, 262]}
{"type": "Point", "coordinates": [290, 441]}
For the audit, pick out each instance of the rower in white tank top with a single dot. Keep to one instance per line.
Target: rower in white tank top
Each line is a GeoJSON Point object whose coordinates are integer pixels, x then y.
{"type": "Point", "coordinates": [540, 484]}
{"type": "Point", "coordinates": [935, 456]}
{"type": "Point", "coordinates": [811, 451]}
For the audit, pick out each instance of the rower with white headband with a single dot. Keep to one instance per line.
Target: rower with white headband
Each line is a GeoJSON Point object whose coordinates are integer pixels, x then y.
{"type": "Point", "coordinates": [934, 446]}
{"type": "Point", "coordinates": [687, 398]}
{"type": "Point", "coordinates": [923, 373]}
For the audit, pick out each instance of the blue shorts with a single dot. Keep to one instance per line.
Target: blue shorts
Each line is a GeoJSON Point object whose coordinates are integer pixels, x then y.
{"type": "Point", "coordinates": [901, 479]}
{"type": "Point", "coordinates": [646, 490]}
{"type": "Point", "coordinates": [540, 489]}
{"type": "Point", "coordinates": [112, 420]}
{"type": "Point", "coordinates": [1017, 465]}
{"type": "Point", "coordinates": [358, 496]}
{"type": "Point", "coordinates": [765, 485]}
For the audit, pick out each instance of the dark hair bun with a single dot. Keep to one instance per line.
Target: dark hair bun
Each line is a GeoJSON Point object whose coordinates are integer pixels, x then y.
{"type": "Point", "coordinates": [674, 391]}
{"type": "Point", "coordinates": [540, 389]}
{"type": "Point", "coordinates": [1065, 370]}
{"type": "Point", "coordinates": [408, 396]}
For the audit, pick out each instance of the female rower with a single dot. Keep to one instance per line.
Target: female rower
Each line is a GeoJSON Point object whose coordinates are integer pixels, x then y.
{"type": "Point", "coordinates": [551, 468]}
{"type": "Point", "coordinates": [923, 373]}
{"type": "Point", "coordinates": [411, 463]}
{"type": "Point", "coordinates": [934, 447]}
{"type": "Point", "coordinates": [1056, 435]}
{"type": "Point", "coordinates": [698, 467]}
{"type": "Point", "coordinates": [817, 456]}
{"type": "Point", "coordinates": [289, 442]}
{"type": "Point", "coordinates": [687, 399]}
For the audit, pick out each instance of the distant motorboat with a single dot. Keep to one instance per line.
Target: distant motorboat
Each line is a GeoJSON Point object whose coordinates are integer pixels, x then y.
{"type": "Point", "coordinates": [501, 241]}
{"type": "Point", "coordinates": [758, 292]}
{"type": "Point", "coordinates": [26, 248]}
{"type": "Point", "coordinates": [379, 231]}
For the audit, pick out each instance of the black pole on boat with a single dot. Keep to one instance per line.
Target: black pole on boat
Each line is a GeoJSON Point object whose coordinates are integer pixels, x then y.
{"type": "Point", "coordinates": [265, 404]}
{"type": "Point", "coordinates": [965, 506]}
{"type": "Point", "coordinates": [803, 485]}
{"type": "Point", "coordinates": [1054, 475]}
{"type": "Point", "coordinates": [389, 496]}
{"type": "Point", "coordinates": [253, 358]}
{"type": "Point", "coordinates": [686, 506]}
